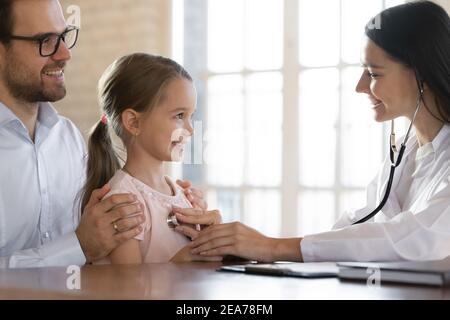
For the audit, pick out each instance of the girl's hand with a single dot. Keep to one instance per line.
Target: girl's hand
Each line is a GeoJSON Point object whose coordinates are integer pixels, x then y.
{"type": "Point", "coordinates": [194, 195]}
{"type": "Point", "coordinates": [185, 255]}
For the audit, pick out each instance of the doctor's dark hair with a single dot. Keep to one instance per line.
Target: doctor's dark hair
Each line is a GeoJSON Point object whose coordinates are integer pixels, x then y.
{"type": "Point", "coordinates": [137, 81]}
{"type": "Point", "coordinates": [417, 34]}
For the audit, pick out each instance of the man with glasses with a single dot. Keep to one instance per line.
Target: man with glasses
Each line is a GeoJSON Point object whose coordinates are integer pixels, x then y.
{"type": "Point", "coordinates": [49, 42]}
{"type": "Point", "coordinates": [42, 154]}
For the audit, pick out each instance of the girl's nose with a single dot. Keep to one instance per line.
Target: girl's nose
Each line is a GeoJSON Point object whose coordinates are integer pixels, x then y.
{"type": "Point", "coordinates": [189, 127]}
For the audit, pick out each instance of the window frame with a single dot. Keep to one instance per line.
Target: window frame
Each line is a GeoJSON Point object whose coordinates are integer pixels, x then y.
{"type": "Point", "coordinates": [195, 20]}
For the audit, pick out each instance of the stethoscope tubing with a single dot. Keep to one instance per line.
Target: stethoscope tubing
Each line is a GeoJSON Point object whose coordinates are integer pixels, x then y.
{"type": "Point", "coordinates": [394, 163]}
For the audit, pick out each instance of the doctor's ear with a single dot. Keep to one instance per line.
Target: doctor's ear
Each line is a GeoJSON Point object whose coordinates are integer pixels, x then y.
{"type": "Point", "coordinates": [130, 121]}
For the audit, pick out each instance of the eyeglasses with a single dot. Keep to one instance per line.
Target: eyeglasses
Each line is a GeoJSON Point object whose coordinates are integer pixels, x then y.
{"type": "Point", "coordinates": [49, 42]}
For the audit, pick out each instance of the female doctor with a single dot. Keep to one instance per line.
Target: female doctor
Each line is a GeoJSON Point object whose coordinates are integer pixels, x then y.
{"type": "Point", "coordinates": [406, 72]}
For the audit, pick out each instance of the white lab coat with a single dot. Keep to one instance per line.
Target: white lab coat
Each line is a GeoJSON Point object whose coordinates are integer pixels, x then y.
{"type": "Point", "coordinates": [414, 224]}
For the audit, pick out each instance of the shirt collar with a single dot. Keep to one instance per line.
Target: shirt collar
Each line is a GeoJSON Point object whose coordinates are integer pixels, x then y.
{"type": "Point", "coordinates": [6, 115]}
{"type": "Point", "coordinates": [47, 115]}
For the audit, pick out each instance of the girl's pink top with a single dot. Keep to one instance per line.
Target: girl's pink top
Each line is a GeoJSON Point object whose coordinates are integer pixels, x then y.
{"type": "Point", "coordinates": [158, 242]}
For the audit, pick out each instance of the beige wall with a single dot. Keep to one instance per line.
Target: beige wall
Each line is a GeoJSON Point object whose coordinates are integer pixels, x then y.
{"type": "Point", "coordinates": [109, 29]}
{"type": "Point", "coordinates": [445, 4]}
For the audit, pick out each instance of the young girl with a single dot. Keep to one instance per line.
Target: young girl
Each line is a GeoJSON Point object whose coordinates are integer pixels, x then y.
{"type": "Point", "coordinates": [148, 102]}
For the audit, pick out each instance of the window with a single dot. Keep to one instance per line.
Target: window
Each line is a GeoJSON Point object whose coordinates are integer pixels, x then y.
{"type": "Point", "coordinates": [287, 143]}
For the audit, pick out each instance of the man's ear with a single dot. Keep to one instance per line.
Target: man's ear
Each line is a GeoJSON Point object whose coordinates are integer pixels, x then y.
{"type": "Point", "coordinates": [130, 121]}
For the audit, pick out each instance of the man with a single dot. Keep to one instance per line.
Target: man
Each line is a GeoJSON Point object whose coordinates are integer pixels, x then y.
{"type": "Point", "coordinates": [42, 165]}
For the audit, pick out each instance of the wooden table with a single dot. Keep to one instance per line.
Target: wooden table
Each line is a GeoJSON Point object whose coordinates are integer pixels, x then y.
{"type": "Point", "coordinates": [192, 281]}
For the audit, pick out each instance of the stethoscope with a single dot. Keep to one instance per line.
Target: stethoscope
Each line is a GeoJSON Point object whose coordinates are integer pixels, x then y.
{"type": "Point", "coordinates": [394, 163]}
{"type": "Point", "coordinates": [172, 219]}
{"type": "Point", "coordinates": [172, 222]}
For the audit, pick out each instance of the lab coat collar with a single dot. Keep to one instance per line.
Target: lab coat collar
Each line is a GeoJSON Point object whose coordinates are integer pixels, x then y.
{"type": "Point", "coordinates": [436, 143]}
{"type": "Point", "coordinates": [392, 205]}
{"type": "Point", "coordinates": [441, 137]}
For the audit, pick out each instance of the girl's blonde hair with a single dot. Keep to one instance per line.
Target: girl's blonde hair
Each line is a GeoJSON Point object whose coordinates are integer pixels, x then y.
{"type": "Point", "coordinates": [135, 81]}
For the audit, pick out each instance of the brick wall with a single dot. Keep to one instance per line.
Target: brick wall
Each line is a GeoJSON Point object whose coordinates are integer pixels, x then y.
{"type": "Point", "coordinates": [109, 29]}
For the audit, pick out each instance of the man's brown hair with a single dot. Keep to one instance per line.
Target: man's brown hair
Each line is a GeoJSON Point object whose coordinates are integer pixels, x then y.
{"type": "Point", "coordinates": [6, 20]}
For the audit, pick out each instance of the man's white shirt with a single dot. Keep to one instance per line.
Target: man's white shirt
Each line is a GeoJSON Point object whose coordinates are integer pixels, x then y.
{"type": "Point", "coordinates": [40, 182]}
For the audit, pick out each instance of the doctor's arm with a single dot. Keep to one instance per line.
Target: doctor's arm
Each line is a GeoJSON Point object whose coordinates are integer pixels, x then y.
{"type": "Point", "coordinates": [420, 235]}
{"type": "Point", "coordinates": [237, 239]}
{"type": "Point", "coordinates": [424, 235]}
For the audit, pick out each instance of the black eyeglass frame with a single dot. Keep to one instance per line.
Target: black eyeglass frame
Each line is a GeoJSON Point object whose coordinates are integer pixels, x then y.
{"type": "Point", "coordinates": [42, 37]}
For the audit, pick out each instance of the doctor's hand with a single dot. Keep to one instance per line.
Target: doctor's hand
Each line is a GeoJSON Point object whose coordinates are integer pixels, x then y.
{"type": "Point", "coordinates": [194, 195]}
{"type": "Point", "coordinates": [107, 223]}
{"type": "Point", "coordinates": [189, 217]}
{"type": "Point", "coordinates": [239, 240]}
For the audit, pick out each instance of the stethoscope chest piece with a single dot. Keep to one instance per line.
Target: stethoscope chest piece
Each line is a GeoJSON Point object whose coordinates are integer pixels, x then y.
{"type": "Point", "coordinates": [172, 221]}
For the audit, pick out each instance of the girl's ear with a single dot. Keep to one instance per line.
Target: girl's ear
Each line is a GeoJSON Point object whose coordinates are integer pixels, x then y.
{"type": "Point", "coordinates": [130, 121]}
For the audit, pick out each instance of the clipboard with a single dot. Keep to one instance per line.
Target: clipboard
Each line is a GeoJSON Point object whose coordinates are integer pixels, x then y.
{"type": "Point", "coordinates": [298, 270]}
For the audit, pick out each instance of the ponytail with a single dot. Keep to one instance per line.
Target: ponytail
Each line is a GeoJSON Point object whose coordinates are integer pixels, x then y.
{"type": "Point", "coordinates": [102, 161]}
{"type": "Point", "coordinates": [134, 81]}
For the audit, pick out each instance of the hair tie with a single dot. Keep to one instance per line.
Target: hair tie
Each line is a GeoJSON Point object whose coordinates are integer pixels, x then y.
{"type": "Point", "coordinates": [104, 119]}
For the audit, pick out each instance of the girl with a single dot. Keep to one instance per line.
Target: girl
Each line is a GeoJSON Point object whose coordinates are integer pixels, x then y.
{"type": "Point", "coordinates": [406, 72]}
{"type": "Point", "coordinates": [148, 102]}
